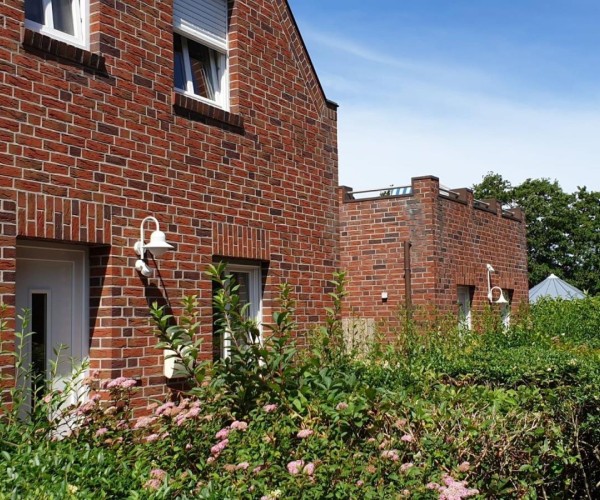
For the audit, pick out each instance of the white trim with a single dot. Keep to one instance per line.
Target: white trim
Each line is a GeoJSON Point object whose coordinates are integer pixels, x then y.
{"type": "Point", "coordinates": [81, 22]}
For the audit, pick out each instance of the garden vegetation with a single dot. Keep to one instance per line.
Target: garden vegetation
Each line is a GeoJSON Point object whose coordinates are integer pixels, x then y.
{"type": "Point", "coordinates": [442, 413]}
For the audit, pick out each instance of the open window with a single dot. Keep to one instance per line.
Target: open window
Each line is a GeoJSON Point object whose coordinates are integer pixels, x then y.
{"type": "Point", "coordinates": [64, 20]}
{"type": "Point", "coordinates": [200, 50]}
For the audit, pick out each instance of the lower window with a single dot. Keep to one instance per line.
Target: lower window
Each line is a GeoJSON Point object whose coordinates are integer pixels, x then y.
{"type": "Point", "coordinates": [249, 280]}
{"type": "Point", "coordinates": [465, 299]}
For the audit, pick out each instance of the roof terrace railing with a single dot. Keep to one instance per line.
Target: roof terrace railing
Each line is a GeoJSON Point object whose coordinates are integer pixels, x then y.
{"type": "Point", "coordinates": [381, 192]}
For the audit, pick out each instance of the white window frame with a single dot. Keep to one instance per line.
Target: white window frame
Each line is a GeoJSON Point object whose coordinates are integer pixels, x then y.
{"type": "Point", "coordinates": [221, 46]}
{"type": "Point", "coordinates": [255, 296]}
{"type": "Point", "coordinates": [81, 22]}
{"type": "Point", "coordinates": [505, 310]}
{"type": "Point", "coordinates": [465, 294]}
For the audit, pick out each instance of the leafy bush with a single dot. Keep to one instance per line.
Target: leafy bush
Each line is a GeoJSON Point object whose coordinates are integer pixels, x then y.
{"type": "Point", "coordinates": [444, 414]}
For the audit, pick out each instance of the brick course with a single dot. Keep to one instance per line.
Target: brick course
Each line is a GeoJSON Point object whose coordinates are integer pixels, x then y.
{"type": "Point", "coordinates": [92, 142]}
{"type": "Point", "coordinates": [452, 237]}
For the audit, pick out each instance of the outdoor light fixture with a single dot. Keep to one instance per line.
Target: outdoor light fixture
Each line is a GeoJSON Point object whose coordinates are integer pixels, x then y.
{"type": "Point", "coordinates": [157, 246]}
{"type": "Point", "coordinates": [501, 299]}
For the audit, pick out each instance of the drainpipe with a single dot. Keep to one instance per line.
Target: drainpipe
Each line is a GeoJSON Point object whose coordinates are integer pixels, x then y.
{"type": "Point", "coordinates": [407, 280]}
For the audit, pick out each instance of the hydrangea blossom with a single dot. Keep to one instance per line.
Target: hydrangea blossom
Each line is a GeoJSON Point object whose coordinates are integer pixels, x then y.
{"type": "Point", "coordinates": [304, 433]}
{"type": "Point", "coordinates": [269, 408]}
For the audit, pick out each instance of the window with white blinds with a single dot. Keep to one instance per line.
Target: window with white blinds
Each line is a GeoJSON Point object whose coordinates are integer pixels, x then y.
{"type": "Point", "coordinates": [200, 50]}
{"type": "Point", "coordinates": [204, 19]}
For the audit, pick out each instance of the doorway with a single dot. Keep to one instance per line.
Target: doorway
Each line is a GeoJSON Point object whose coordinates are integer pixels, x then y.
{"type": "Point", "coordinates": [52, 297]}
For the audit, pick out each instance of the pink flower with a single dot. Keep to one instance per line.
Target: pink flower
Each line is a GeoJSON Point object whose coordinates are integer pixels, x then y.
{"type": "Point", "coordinates": [406, 466]}
{"type": "Point", "coordinates": [407, 438]}
{"type": "Point", "coordinates": [121, 383]}
{"type": "Point", "coordinates": [48, 398]}
{"type": "Point", "coordinates": [223, 433]}
{"type": "Point", "coordinates": [360, 483]}
{"type": "Point", "coordinates": [455, 490]}
{"type": "Point", "coordinates": [144, 422]}
{"type": "Point", "coordinates": [219, 447]}
{"type": "Point", "coordinates": [304, 433]}
{"type": "Point", "coordinates": [464, 467]}
{"type": "Point", "coordinates": [295, 467]}
{"type": "Point", "coordinates": [101, 431]}
{"type": "Point", "coordinates": [391, 455]}
{"type": "Point", "coordinates": [210, 460]}
{"type": "Point", "coordinates": [152, 484]}
{"type": "Point", "coordinates": [242, 466]}
{"type": "Point", "coordinates": [193, 412]}
{"type": "Point", "coordinates": [432, 486]}
{"type": "Point", "coordinates": [341, 406]}
{"type": "Point", "coordinates": [152, 438]}
{"type": "Point", "coordinates": [309, 469]}
{"type": "Point", "coordinates": [163, 408]}
{"type": "Point", "coordinates": [269, 408]}
{"type": "Point", "coordinates": [188, 446]}
{"type": "Point", "coordinates": [237, 425]}
{"type": "Point", "coordinates": [158, 474]}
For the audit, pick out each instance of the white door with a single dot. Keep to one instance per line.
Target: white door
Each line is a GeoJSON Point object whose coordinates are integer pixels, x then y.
{"type": "Point", "coordinates": [51, 283]}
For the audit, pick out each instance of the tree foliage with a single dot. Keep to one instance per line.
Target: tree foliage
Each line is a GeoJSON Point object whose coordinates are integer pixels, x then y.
{"type": "Point", "coordinates": [563, 229]}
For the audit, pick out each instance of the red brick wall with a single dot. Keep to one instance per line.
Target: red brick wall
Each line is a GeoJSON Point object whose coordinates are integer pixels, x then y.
{"type": "Point", "coordinates": [451, 240]}
{"type": "Point", "coordinates": [88, 150]}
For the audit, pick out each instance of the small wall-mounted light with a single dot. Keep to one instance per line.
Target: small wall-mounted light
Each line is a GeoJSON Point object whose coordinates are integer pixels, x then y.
{"type": "Point", "coordinates": [384, 296]}
{"type": "Point", "coordinates": [157, 246]}
{"type": "Point", "coordinates": [501, 299]}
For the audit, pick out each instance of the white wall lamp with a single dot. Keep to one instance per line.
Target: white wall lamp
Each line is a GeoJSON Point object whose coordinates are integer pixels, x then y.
{"type": "Point", "coordinates": [501, 299]}
{"type": "Point", "coordinates": [157, 246]}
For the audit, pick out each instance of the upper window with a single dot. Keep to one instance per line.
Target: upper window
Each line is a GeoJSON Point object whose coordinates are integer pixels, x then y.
{"type": "Point", "coordinates": [200, 50]}
{"type": "Point", "coordinates": [65, 20]}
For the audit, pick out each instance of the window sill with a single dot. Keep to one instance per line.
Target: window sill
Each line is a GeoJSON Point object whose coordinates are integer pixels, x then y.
{"type": "Point", "coordinates": [46, 45]}
{"type": "Point", "coordinates": [196, 110]}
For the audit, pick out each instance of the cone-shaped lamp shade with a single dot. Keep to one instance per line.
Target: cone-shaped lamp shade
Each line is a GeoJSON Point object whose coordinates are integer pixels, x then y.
{"type": "Point", "coordinates": [158, 244]}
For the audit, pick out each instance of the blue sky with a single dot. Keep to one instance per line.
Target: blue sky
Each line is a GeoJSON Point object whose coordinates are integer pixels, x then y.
{"type": "Point", "coordinates": [458, 88]}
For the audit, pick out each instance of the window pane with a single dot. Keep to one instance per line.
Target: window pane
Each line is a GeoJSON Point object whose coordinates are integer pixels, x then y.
{"type": "Point", "coordinates": [34, 11]}
{"type": "Point", "coordinates": [205, 71]}
{"type": "Point", "coordinates": [179, 65]}
{"type": "Point", "coordinates": [62, 13]}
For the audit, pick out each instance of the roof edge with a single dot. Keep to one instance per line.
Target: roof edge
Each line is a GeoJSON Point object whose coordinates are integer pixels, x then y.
{"type": "Point", "coordinates": [330, 104]}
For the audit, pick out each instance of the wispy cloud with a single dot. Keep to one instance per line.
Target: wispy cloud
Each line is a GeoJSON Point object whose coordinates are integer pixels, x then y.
{"type": "Point", "coordinates": [404, 116]}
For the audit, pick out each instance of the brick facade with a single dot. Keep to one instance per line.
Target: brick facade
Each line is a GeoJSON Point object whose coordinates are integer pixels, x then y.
{"type": "Point", "coordinates": [451, 239]}
{"type": "Point", "coordinates": [94, 141]}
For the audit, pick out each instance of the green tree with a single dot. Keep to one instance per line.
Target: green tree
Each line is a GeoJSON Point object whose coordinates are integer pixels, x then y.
{"type": "Point", "coordinates": [563, 230]}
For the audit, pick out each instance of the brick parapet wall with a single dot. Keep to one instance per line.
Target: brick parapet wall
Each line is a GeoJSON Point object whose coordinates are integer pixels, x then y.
{"type": "Point", "coordinates": [86, 155]}
{"type": "Point", "coordinates": [452, 239]}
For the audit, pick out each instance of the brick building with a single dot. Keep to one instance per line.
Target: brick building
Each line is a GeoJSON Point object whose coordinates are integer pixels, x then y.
{"type": "Point", "coordinates": [205, 115]}
{"type": "Point", "coordinates": [442, 240]}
